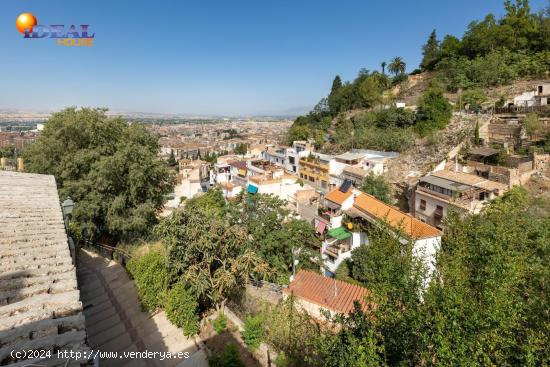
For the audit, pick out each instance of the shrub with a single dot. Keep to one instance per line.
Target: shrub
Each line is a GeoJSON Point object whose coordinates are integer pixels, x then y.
{"type": "Point", "coordinates": [229, 358]}
{"type": "Point", "coordinates": [253, 331]}
{"type": "Point", "coordinates": [379, 187]}
{"type": "Point", "coordinates": [434, 111]}
{"type": "Point", "coordinates": [220, 323]}
{"type": "Point", "coordinates": [282, 360]}
{"type": "Point", "coordinates": [150, 273]}
{"type": "Point", "coordinates": [474, 98]}
{"type": "Point", "coordinates": [181, 309]}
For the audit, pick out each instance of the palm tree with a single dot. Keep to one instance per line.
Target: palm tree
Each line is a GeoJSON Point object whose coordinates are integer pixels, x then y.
{"type": "Point", "coordinates": [383, 64]}
{"type": "Point", "coordinates": [397, 66]}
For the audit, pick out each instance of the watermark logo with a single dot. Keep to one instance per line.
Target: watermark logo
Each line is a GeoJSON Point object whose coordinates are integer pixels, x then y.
{"type": "Point", "coordinates": [27, 24]}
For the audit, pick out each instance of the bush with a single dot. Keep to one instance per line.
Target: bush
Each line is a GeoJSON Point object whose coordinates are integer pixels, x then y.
{"type": "Point", "coordinates": [229, 358]}
{"type": "Point", "coordinates": [379, 187]}
{"type": "Point", "coordinates": [282, 360]}
{"type": "Point", "coordinates": [474, 98]}
{"type": "Point", "coordinates": [181, 309]}
{"type": "Point", "coordinates": [220, 323]}
{"type": "Point", "coordinates": [390, 139]}
{"type": "Point", "coordinates": [150, 273]}
{"type": "Point", "coordinates": [434, 111]}
{"type": "Point", "coordinates": [253, 331]}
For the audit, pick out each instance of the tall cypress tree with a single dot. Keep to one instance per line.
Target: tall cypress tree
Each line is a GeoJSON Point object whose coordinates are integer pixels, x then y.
{"type": "Point", "coordinates": [333, 100]}
{"type": "Point", "coordinates": [431, 52]}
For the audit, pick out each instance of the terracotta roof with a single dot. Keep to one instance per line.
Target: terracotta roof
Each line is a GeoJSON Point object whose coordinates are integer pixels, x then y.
{"type": "Point", "coordinates": [329, 293]}
{"type": "Point", "coordinates": [338, 196]}
{"type": "Point", "coordinates": [377, 209]}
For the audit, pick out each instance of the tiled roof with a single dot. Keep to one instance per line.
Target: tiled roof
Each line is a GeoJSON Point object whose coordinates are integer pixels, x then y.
{"type": "Point", "coordinates": [331, 294]}
{"type": "Point", "coordinates": [377, 209]}
{"type": "Point", "coordinates": [338, 197]}
{"type": "Point", "coordinates": [469, 179]}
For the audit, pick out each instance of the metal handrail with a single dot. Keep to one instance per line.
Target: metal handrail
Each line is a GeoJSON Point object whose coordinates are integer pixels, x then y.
{"type": "Point", "coordinates": [110, 249]}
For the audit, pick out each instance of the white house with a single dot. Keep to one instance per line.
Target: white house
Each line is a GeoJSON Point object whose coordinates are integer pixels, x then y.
{"type": "Point", "coordinates": [351, 213]}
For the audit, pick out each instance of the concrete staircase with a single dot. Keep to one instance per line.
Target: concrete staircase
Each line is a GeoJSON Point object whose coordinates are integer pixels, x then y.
{"type": "Point", "coordinates": [115, 322]}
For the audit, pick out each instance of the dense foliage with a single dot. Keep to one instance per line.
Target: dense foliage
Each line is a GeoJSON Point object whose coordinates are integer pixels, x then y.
{"type": "Point", "coordinates": [150, 273]}
{"type": "Point", "coordinates": [228, 358]}
{"type": "Point", "coordinates": [107, 166]}
{"type": "Point", "coordinates": [253, 332]}
{"type": "Point", "coordinates": [378, 186]}
{"type": "Point", "coordinates": [220, 323]}
{"type": "Point", "coordinates": [273, 234]}
{"type": "Point", "coordinates": [182, 309]}
{"type": "Point", "coordinates": [214, 246]}
{"type": "Point", "coordinates": [494, 51]}
{"type": "Point", "coordinates": [486, 303]}
{"type": "Point", "coordinates": [208, 251]}
{"type": "Point", "coordinates": [434, 111]}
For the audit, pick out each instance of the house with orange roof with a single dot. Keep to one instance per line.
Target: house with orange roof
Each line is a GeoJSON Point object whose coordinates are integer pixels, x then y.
{"type": "Point", "coordinates": [352, 213]}
{"type": "Point", "coordinates": [314, 292]}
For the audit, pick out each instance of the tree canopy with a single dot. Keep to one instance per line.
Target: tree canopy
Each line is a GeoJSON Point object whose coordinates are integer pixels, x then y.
{"type": "Point", "coordinates": [107, 166]}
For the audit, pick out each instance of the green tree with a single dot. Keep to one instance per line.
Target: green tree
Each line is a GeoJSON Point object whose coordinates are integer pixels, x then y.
{"type": "Point", "coordinates": [7, 152]}
{"type": "Point", "coordinates": [370, 91]}
{"type": "Point", "coordinates": [492, 280]}
{"type": "Point", "coordinates": [431, 52]}
{"type": "Point", "coordinates": [474, 98]}
{"type": "Point", "coordinates": [377, 186]}
{"type": "Point", "coordinates": [356, 344]}
{"type": "Point", "coordinates": [450, 46]}
{"type": "Point", "coordinates": [292, 331]}
{"type": "Point", "coordinates": [273, 234]}
{"type": "Point", "coordinates": [532, 124]}
{"type": "Point", "coordinates": [383, 65]}
{"type": "Point", "coordinates": [182, 309]}
{"type": "Point", "coordinates": [172, 159]}
{"type": "Point", "coordinates": [241, 148]}
{"type": "Point", "coordinates": [397, 66]}
{"type": "Point", "coordinates": [434, 111]}
{"type": "Point", "coordinates": [208, 252]}
{"type": "Point", "coordinates": [334, 96]}
{"type": "Point", "coordinates": [107, 166]}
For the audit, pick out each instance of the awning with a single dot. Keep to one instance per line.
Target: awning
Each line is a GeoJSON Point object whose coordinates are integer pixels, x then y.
{"type": "Point", "coordinates": [321, 226]}
{"type": "Point", "coordinates": [252, 189]}
{"type": "Point", "coordinates": [339, 233]}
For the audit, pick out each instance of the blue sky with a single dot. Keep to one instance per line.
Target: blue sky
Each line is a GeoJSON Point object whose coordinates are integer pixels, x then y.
{"type": "Point", "coordinates": [208, 57]}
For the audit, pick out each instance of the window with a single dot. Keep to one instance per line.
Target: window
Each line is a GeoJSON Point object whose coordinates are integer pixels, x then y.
{"type": "Point", "coordinates": [422, 204]}
{"type": "Point", "coordinates": [439, 210]}
{"type": "Point", "coordinates": [323, 184]}
{"type": "Point", "coordinates": [540, 89]}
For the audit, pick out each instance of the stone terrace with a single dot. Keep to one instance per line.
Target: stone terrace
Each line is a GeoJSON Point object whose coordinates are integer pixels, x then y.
{"type": "Point", "coordinates": [40, 304]}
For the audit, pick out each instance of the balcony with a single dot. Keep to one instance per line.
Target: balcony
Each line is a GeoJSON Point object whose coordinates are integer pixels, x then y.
{"type": "Point", "coordinates": [338, 248]}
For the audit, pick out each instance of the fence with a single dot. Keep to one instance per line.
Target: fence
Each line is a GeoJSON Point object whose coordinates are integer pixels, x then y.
{"type": "Point", "coordinates": [108, 251]}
